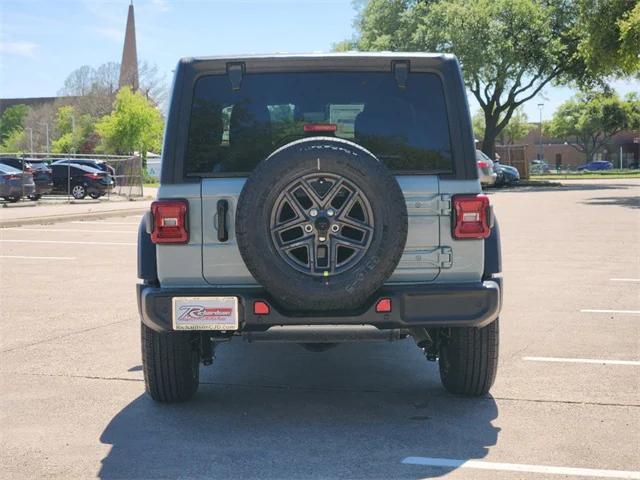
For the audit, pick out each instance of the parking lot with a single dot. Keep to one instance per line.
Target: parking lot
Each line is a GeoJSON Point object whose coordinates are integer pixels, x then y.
{"type": "Point", "coordinates": [566, 400]}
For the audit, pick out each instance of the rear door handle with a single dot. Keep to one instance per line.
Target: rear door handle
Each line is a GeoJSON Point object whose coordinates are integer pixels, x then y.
{"type": "Point", "coordinates": [223, 232]}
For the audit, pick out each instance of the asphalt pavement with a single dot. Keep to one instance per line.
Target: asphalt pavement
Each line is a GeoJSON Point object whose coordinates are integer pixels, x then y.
{"type": "Point", "coordinates": [566, 402]}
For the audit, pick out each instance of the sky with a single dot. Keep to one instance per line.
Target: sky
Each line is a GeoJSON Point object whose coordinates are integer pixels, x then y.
{"type": "Point", "coordinates": [42, 41]}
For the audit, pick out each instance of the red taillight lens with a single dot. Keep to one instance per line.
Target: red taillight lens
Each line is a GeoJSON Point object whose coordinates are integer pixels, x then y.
{"type": "Point", "coordinates": [92, 176]}
{"type": "Point", "coordinates": [471, 216]}
{"type": "Point", "coordinates": [261, 308]}
{"type": "Point", "coordinates": [320, 127]}
{"type": "Point", "coordinates": [10, 176]}
{"type": "Point", "coordinates": [383, 305]}
{"type": "Point", "coordinates": [169, 221]}
{"type": "Point", "coordinates": [482, 164]}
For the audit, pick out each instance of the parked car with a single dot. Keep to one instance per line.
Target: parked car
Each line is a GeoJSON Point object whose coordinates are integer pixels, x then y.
{"type": "Point", "coordinates": [486, 174]}
{"type": "Point", "coordinates": [89, 162]}
{"type": "Point", "coordinates": [326, 235]}
{"type": "Point", "coordinates": [506, 174]}
{"type": "Point", "coordinates": [15, 183]}
{"type": "Point", "coordinates": [538, 167]}
{"type": "Point", "coordinates": [40, 170]}
{"type": "Point", "coordinates": [595, 166]}
{"type": "Point", "coordinates": [82, 180]}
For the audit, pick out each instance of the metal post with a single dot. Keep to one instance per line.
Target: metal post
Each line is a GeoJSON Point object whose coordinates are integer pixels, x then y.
{"type": "Point", "coordinates": [620, 157]}
{"type": "Point", "coordinates": [73, 149]}
{"type": "Point", "coordinates": [47, 134]}
{"type": "Point", "coordinates": [540, 105]}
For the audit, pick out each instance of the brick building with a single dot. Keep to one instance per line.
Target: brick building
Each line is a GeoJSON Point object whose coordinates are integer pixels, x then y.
{"type": "Point", "coordinates": [560, 150]}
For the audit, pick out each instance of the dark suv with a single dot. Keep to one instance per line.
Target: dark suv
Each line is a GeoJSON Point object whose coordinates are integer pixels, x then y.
{"type": "Point", "coordinates": [319, 199]}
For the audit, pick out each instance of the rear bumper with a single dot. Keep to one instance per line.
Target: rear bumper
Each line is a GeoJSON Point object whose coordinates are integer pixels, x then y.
{"type": "Point", "coordinates": [430, 306]}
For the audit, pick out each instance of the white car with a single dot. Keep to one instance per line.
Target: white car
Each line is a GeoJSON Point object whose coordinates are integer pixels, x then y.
{"type": "Point", "coordinates": [486, 174]}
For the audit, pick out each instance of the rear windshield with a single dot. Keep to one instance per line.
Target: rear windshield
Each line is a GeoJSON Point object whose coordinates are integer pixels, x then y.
{"type": "Point", "coordinates": [230, 132]}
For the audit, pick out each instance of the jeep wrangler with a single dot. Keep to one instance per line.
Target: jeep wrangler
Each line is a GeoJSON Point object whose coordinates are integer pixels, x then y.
{"type": "Point", "coordinates": [319, 199]}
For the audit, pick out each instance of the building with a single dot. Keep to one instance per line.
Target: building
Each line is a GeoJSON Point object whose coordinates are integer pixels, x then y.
{"type": "Point", "coordinates": [562, 151]}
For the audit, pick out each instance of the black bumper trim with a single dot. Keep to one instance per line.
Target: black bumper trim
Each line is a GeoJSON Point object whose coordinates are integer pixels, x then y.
{"type": "Point", "coordinates": [444, 305]}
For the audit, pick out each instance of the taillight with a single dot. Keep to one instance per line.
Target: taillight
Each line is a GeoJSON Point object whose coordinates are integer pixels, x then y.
{"type": "Point", "coordinates": [320, 127]}
{"type": "Point", "coordinates": [169, 221]}
{"type": "Point", "coordinates": [11, 176]}
{"type": "Point", "coordinates": [482, 164]}
{"type": "Point", "coordinates": [92, 176]}
{"type": "Point", "coordinates": [471, 216]}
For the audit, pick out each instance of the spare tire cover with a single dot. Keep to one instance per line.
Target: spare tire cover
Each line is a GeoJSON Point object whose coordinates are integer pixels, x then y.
{"type": "Point", "coordinates": [321, 224]}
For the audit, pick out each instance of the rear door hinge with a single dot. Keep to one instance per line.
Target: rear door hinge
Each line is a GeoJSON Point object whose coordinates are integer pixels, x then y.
{"type": "Point", "coordinates": [445, 257]}
{"type": "Point", "coordinates": [444, 204]}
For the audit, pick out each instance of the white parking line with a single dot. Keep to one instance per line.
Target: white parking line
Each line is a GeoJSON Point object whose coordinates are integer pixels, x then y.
{"type": "Point", "coordinates": [519, 467]}
{"type": "Point", "coordinates": [628, 312]}
{"type": "Point", "coordinates": [581, 360]}
{"type": "Point", "coordinates": [64, 242]}
{"type": "Point", "coordinates": [625, 279]}
{"type": "Point", "coordinates": [73, 230]}
{"type": "Point", "coordinates": [37, 258]}
{"type": "Point", "coordinates": [105, 223]}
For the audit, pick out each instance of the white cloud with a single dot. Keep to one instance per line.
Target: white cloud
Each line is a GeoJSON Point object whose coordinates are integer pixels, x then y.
{"type": "Point", "coordinates": [22, 49]}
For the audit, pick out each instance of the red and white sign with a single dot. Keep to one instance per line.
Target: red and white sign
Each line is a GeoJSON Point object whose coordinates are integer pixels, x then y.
{"type": "Point", "coordinates": [205, 313]}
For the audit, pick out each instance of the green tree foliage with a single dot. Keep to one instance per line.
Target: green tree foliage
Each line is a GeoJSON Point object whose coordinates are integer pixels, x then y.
{"type": "Point", "coordinates": [509, 49]}
{"type": "Point", "coordinates": [12, 120]}
{"type": "Point", "coordinates": [610, 35]}
{"type": "Point", "coordinates": [591, 119]}
{"type": "Point", "coordinates": [135, 124]}
{"type": "Point", "coordinates": [73, 133]}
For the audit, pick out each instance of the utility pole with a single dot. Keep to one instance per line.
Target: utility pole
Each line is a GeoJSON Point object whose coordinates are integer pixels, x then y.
{"type": "Point", "coordinates": [31, 139]}
{"type": "Point", "coordinates": [540, 105]}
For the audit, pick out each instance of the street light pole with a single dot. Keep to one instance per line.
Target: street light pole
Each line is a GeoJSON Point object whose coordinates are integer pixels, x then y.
{"type": "Point", "coordinates": [31, 139]}
{"type": "Point", "coordinates": [540, 105]}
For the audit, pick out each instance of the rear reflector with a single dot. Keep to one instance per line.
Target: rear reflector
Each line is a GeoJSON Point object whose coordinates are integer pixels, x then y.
{"type": "Point", "coordinates": [169, 221]}
{"type": "Point", "coordinates": [383, 305]}
{"type": "Point", "coordinates": [471, 216]}
{"type": "Point", "coordinates": [320, 127]}
{"type": "Point", "coordinates": [482, 164]}
{"type": "Point", "coordinates": [261, 308]}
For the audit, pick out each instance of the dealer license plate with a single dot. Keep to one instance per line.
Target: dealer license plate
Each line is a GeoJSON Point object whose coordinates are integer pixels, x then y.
{"type": "Point", "coordinates": [205, 313]}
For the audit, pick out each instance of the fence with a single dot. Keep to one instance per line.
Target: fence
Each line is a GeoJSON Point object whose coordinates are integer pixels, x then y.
{"type": "Point", "coordinates": [128, 175]}
{"type": "Point", "coordinates": [516, 156]}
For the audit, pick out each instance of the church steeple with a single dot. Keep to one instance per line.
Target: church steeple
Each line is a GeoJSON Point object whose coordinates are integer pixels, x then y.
{"type": "Point", "coordinates": [129, 65]}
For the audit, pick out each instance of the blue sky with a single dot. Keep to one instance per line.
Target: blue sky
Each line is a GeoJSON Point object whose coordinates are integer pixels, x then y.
{"type": "Point", "coordinates": [42, 41]}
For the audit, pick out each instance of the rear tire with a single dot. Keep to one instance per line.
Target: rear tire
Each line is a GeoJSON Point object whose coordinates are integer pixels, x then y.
{"type": "Point", "coordinates": [171, 365]}
{"type": "Point", "coordinates": [469, 360]}
{"type": "Point", "coordinates": [95, 196]}
{"type": "Point", "coordinates": [35, 197]}
{"type": "Point", "coordinates": [78, 192]}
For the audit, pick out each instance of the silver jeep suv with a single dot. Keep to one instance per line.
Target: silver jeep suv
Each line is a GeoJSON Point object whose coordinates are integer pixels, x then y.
{"type": "Point", "coordinates": [319, 199]}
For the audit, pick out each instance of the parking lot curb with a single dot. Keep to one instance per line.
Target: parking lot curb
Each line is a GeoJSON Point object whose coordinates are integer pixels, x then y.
{"type": "Point", "coordinates": [48, 219]}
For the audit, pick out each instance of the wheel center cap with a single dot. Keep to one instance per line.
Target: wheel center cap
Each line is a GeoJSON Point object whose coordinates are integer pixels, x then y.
{"type": "Point", "coordinates": [322, 224]}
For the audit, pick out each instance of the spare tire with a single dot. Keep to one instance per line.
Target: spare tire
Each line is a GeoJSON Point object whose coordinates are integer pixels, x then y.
{"type": "Point", "coordinates": [321, 224]}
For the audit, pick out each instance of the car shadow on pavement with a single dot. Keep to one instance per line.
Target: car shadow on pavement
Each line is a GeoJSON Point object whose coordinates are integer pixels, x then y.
{"type": "Point", "coordinates": [629, 202]}
{"type": "Point", "coordinates": [565, 187]}
{"type": "Point", "coordinates": [279, 411]}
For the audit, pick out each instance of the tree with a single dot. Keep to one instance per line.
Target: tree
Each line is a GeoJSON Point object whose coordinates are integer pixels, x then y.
{"type": "Point", "coordinates": [96, 88]}
{"type": "Point", "coordinates": [12, 120]}
{"type": "Point", "coordinates": [592, 118]}
{"type": "Point", "coordinates": [73, 132]}
{"type": "Point", "coordinates": [610, 35]}
{"type": "Point", "coordinates": [509, 49]}
{"type": "Point", "coordinates": [135, 124]}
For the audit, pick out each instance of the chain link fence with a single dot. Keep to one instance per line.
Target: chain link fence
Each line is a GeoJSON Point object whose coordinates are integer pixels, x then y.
{"type": "Point", "coordinates": [126, 171]}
